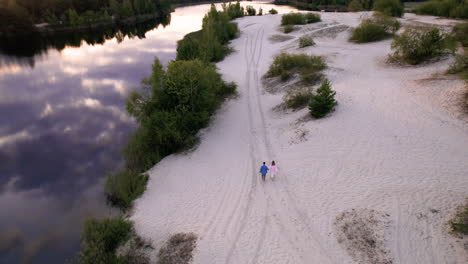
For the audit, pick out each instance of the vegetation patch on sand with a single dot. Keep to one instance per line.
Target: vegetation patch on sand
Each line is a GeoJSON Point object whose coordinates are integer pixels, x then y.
{"type": "Point", "coordinates": [178, 249]}
{"type": "Point", "coordinates": [323, 101]}
{"type": "Point", "coordinates": [444, 8]}
{"type": "Point", "coordinates": [377, 28]}
{"type": "Point", "coordinates": [389, 7]}
{"type": "Point", "coordinates": [362, 233]}
{"type": "Point", "coordinates": [102, 237]}
{"type": "Point", "coordinates": [419, 44]}
{"type": "Point", "coordinates": [306, 41]}
{"type": "Point", "coordinates": [286, 65]}
{"type": "Point", "coordinates": [459, 223]}
{"type": "Point", "coordinates": [299, 18]}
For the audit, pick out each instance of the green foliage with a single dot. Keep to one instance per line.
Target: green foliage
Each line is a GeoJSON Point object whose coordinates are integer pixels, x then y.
{"type": "Point", "coordinates": [123, 187]}
{"type": "Point", "coordinates": [260, 12]}
{"type": "Point", "coordinates": [299, 18]}
{"type": "Point", "coordinates": [250, 10]}
{"type": "Point", "coordinates": [459, 224]}
{"type": "Point", "coordinates": [323, 101]}
{"type": "Point", "coordinates": [233, 10]}
{"type": "Point", "coordinates": [209, 44]}
{"type": "Point", "coordinates": [389, 7]}
{"type": "Point", "coordinates": [306, 41]}
{"type": "Point", "coordinates": [460, 33]}
{"type": "Point", "coordinates": [288, 29]}
{"type": "Point", "coordinates": [459, 66]}
{"type": "Point", "coordinates": [360, 5]}
{"type": "Point", "coordinates": [101, 238]}
{"type": "Point", "coordinates": [419, 44]}
{"type": "Point", "coordinates": [173, 106]}
{"type": "Point", "coordinates": [445, 8]}
{"type": "Point", "coordinates": [273, 11]}
{"type": "Point", "coordinates": [298, 99]}
{"type": "Point", "coordinates": [374, 29]}
{"type": "Point", "coordinates": [285, 65]}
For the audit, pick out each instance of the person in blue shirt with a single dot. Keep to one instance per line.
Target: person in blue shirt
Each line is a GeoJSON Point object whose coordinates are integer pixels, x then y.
{"type": "Point", "coordinates": [263, 170]}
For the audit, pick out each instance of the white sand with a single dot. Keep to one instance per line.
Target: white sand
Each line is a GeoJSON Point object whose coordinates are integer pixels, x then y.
{"type": "Point", "coordinates": [396, 144]}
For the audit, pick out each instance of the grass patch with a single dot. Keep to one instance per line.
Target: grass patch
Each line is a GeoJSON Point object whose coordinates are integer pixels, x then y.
{"type": "Point", "coordinates": [288, 29]}
{"type": "Point", "coordinates": [323, 101]}
{"type": "Point", "coordinates": [459, 224]}
{"type": "Point", "coordinates": [102, 237]}
{"type": "Point", "coordinates": [389, 7]}
{"type": "Point", "coordinates": [298, 99]}
{"type": "Point", "coordinates": [306, 41]}
{"type": "Point", "coordinates": [178, 250]}
{"type": "Point", "coordinates": [444, 8]}
{"type": "Point", "coordinates": [299, 18]}
{"type": "Point", "coordinates": [122, 187]}
{"type": "Point", "coordinates": [418, 44]}
{"type": "Point", "coordinates": [286, 65]}
{"type": "Point", "coordinates": [377, 28]}
{"type": "Point", "coordinates": [460, 33]}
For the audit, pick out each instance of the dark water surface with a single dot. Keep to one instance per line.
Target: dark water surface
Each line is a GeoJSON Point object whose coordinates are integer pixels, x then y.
{"type": "Point", "coordinates": [63, 124]}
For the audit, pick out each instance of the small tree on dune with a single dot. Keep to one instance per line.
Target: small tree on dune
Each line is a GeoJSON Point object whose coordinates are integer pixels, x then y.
{"type": "Point", "coordinates": [323, 101]}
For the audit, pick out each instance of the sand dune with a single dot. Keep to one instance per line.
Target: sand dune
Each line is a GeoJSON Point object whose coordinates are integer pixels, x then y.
{"type": "Point", "coordinates": [392, 156]}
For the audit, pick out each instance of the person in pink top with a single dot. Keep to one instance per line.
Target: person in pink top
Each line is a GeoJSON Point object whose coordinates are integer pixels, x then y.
{"type": "Point", "coordinates": [273, 170]}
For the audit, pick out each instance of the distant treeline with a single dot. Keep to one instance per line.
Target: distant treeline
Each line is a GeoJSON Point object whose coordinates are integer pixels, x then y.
{"type": "Point", "coordinates": [21, 15]}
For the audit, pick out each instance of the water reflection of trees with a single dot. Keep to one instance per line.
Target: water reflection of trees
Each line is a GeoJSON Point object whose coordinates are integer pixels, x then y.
{"type": "Point", "coordinates": [24, 50]}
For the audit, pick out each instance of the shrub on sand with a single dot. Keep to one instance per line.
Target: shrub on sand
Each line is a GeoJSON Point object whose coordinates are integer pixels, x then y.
{"type": "Point", "coordinates": [376, 28]}
{"type": "Point", "coordinates": [419, 44]}
{"type": "Point", "coordinates": [389, 7]}
{"type": "Point", "coordinates": [306, 41]}
{"type": "Point", "coordinates": [250, 10]}
{"type": "Point", "coordinates": [460, 33]}
{"type": "Point", "coordinates": [323, 101]}
{"type": "Point", "coordinates": [122, 187]}
{"type": "Point", "coordinates": [178, 250]}
{"type": "Point", "coordinates": [298, 99]}
{"type": "Point", "coordinates": [459, 224]}
{"type": "Point", "coordinates": [285, 65]}
{"type": "Point", "coordinates": [273, 11]}
{"type": "Point", "coordinates": [101, 238]}
{"type": "Point", "coordinates": [444, 8]}
{"type": "Point", "coordinates": [299, 18]}
{"type": "Point", "coordinates": [288, 29]}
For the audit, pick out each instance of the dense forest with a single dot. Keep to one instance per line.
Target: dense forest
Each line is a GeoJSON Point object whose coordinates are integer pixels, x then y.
{"type": "Point", "coordinates": [21, 15]}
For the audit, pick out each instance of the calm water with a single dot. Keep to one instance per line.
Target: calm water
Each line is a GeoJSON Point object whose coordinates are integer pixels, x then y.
{"type": "Point", "coordinates": [63, 123]}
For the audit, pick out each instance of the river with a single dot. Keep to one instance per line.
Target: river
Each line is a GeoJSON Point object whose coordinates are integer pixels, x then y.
{"type": "Point", "coordinates": [63, 124]}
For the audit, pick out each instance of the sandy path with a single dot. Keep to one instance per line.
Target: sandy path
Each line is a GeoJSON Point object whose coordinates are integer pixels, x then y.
{"type": "Point", "coordinates": [386, 147]}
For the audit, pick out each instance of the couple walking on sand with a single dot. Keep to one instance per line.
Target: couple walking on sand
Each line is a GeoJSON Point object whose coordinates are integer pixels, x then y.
{"type": "Point", "coordinates": [264, 170]}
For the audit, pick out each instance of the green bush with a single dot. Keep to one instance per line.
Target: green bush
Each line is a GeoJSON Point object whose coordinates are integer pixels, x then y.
{"type": "Point", "coordinates": [124, 186]}
{"type": "Point", "coordinates": [374, 29]}
{"type": "Point", "coordinates": [299, 18]}
{"type": "Point", "coordinates": [312, 18]}
{"type": "Point", "coordinates": [460, 33]}
{"type": "Point", "coordinates": [323, 101]}
{"type": "Point", "coordinates": [250, 10]}
{"type": "Point", "coordinates": [210, 43]}
{"type": "Point", "coordinates": [444, 8]}
{"type": "Point", "coordinates": [288, 29]}
{"type": "Point", "coordinates": [298, 99]}
{"type": "Point", "coordinates": [273, 11]}
{"type": "Point", "coordinates": [459, 66]}
{"type": "Point", "coordinates": [389, 7]}
{"type": "Point", "coordinates": [285, 65]}
{"type": "Point", "coordinates": [101, 238]}
{"type": "Point", "coordinates": [459, 223]}
{"type": "Point", "coordinates": [419, 44]}
{"type": "Point", "coordinates": [174, 105]}
{"type": "Point", "coordinates": [306, 41]}
{"type": "Point", "coordinates": [233, 10]}
{"type": "Point", "coordinates": [360, 5]}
